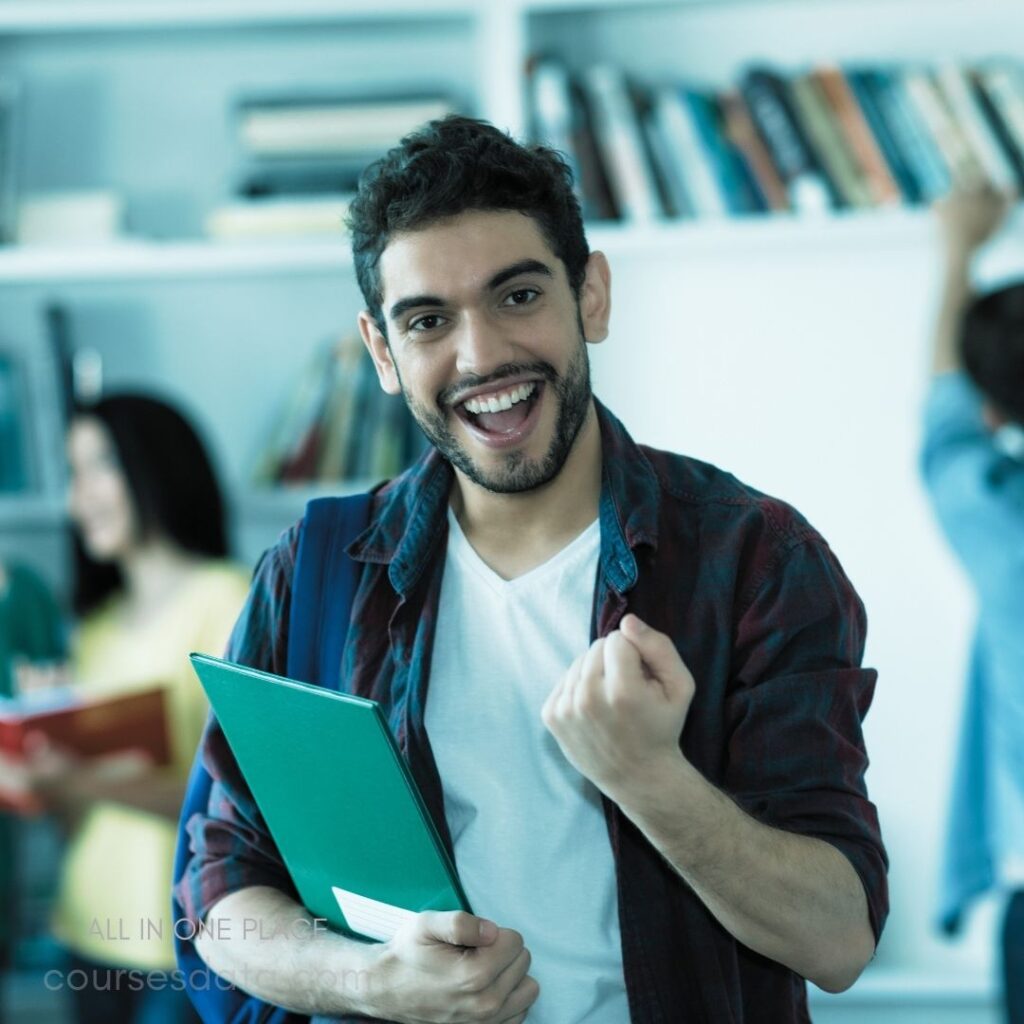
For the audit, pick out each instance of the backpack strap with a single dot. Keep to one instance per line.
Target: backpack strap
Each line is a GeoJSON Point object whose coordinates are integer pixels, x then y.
{"type": "Point", "coordinates": [323, 591]}
{"type": "Point", "coordinates": [323, 588]}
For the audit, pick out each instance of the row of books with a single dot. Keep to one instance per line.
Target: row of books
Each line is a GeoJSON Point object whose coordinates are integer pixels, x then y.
{"type": "Point", "coordinates": [339, 424]}
{"type": "Point", "coordinates": [828, 138]}
{"type": "Point", "coordinates": [300, 158]}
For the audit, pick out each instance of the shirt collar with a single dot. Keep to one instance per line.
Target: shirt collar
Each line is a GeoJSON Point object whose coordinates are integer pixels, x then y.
{"type": "Point", "coordinates": [411, 517]}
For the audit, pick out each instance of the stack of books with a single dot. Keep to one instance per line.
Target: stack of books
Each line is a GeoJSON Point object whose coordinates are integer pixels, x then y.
{"type": "Point", "coordinates": [339, 424]}
{"type": "Point", "coordinates": [300, 159]}
{"type": "Point", "coordinates": [828, 138]}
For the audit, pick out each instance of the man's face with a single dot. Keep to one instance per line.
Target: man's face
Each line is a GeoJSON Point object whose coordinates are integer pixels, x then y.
{"type": "Point", "coordinates": [487, 344]}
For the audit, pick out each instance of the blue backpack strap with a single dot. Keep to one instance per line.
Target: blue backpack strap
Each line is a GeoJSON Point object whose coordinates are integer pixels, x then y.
{"type": "Point", "coordinates": [323, 590]}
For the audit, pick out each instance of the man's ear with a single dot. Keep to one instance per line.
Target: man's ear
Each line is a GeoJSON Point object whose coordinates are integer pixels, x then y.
{"type": "Point", "coordinates": [596, 298]}
{"type": "Point", "coordinates": [380, 352]}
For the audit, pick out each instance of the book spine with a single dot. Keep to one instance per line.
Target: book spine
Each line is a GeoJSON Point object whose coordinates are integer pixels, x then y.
{"type": "Point", "coordinates": [739, 128]}
{"type": "Point", "coordinates": [855, 128]}
{"type": "Point", "coordinates": [618, 137]}
{"type": "Point", "coordinates": [807, 186]}
{"type": "Point", "coordinates": [1000, 129]}
{"type": "Point", "coordinates": [823, 132]}
{"type": "Point", "coordinates": [686, 154]}
{"type": "Point", "coordinates": [1008, 101]}
{"type": "Point", "coordinates": [964, 168]}
{"type": "Point", "coordinates": [552, 112]}
{"type": "Point", "coordinates": [706, 118]}
{"type": "Point", "coordinates": [868, 101]}
{"type": "Point", "coordinates": [911, 133]}
{"type": "Point", "coordinates": [671, 192]}
{"type": "Point", "coordinates": [599, 201]}
{"type": "Point", "coordinates": [962, 103]}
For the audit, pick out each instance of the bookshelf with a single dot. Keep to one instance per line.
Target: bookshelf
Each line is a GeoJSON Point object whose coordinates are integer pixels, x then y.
{"type": "Point", "coordinates": [135, 95]}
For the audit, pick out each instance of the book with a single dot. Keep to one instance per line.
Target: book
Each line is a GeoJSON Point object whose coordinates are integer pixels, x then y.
{"type": "Point", "coordinates": [808, 187]}
{"type": "Point", "coordinates": [551, 110]}
{"type": "Point", "coordinates": [1005, 109]}
{"type": "Point", "coordinates": [964, 167]}
{"type": "Point", "coordinates": [322, 126]}
{"type": "Point", "coordinates": [10, 119]}
{"type": "Point", "coordinates": [599, 203]}
{"type": "Point", "coordinates": [861, 84]}
{"type": "Point", "coordinates": [685, 154]}
{"type": "Point", "coordinates": [737, 187]}
{"type": "Point", "coordinates": [963, 103]}
{"type": "Point", "coordinates": [288, 216]}
{"type": "Point", "coordinates": [671, 189]}
{"type": "Point", "coordinates": [823, 132]}
{"type": "Point", "coordinates": [85, 726]}
{"type": "Point", "coordinates": [618, 137]}
{"type": "Point", "coordinates": [855, 128]}
{"type": "Point", "coordinates": [338, 799]}
{"type": "Point", "coordinates": [739, 129]}
{"type": "Point", "coordinates": [916, 144]}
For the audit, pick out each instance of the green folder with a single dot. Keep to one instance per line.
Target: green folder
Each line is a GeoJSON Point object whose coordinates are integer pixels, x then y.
{"type": "Point", "coordinates": [337, 797]}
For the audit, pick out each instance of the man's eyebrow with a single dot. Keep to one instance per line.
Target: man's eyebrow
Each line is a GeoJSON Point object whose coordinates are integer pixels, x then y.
{"type": "Point", "coordinates": [528, 266]}
{"type": "Point", "coordinates": [414, 301]}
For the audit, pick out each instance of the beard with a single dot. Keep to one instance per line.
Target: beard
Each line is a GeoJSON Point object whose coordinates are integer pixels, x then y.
{"type": "Point", "coordinates": [518, 473]}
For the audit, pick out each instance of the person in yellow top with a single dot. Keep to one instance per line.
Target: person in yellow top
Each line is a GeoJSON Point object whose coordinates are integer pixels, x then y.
{"type": "Point", "coordinates": [152, 584]}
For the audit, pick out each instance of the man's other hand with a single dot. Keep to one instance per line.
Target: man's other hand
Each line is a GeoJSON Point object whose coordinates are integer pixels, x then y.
{"type": "Point", "coordinates": [450, 968]}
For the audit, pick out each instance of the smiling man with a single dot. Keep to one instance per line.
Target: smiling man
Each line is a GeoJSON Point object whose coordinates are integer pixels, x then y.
{"type": "Point", "coordinates": [631, 684]}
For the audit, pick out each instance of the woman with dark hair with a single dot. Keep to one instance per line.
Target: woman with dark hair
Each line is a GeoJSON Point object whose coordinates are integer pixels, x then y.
{"type": "Point", "coordinates": [152, 584]}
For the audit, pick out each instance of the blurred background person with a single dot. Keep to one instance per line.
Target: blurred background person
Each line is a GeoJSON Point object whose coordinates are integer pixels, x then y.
{"type": "Point", "coordinates": [974, 475]}
{"type": "Point", "coordinates": [31, 636]}
{"type": "Point", "coordinates": [152, 583]}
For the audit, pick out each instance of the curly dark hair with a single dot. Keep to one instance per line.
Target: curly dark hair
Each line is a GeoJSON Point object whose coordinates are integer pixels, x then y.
{"type": "Point", "coordinates": [992, 348]}
{"type": "Point", "coordinates": [455, 164]}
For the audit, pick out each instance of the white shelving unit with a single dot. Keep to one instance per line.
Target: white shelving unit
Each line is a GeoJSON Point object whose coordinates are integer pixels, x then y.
{"type": "Point", "coordinates": [744, 341]}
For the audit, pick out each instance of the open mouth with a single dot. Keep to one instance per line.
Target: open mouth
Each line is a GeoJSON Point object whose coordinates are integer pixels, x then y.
{"type": "Point", "coordinates": [502, 417]}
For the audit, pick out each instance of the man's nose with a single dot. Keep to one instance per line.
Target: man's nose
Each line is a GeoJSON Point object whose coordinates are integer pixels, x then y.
{"type": "Point", "coordinates": [482, 345]}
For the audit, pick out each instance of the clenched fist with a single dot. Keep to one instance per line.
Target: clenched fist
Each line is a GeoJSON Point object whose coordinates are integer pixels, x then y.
{"type": "Point", "coordinates": [620, 708]}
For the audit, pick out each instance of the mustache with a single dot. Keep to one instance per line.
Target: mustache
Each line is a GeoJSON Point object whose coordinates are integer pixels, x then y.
{"type": "Point", "coordinates": [450, 396]}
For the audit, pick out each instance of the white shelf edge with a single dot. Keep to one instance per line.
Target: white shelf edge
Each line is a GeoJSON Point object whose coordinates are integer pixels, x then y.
{"type": "Point", "coordinates": [735, 237]}
{"type": "Point", "coordinates": [169, 260]}
{"type": "Point", "coordinates": [132, 261]}
{"type": "Point", "coordinates": [58, 16]}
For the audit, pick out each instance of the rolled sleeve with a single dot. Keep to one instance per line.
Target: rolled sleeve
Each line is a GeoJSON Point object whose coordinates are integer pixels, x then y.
{"type": "Point", "coordinates": [231, 846]}
{"type": "Point", "coordinates": [796, 752]}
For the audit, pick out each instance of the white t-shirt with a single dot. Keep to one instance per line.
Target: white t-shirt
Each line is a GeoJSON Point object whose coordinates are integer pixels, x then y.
{"type": "Point", "coordinates": [531, 843]}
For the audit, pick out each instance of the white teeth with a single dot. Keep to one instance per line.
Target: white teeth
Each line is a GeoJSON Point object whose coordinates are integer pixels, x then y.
{"type": "Point", "coordinates": [504, 400]}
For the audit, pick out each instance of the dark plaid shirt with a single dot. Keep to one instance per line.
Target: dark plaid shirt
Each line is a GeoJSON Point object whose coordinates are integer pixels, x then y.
{"type": "Point", "coordinates": [760, 611]}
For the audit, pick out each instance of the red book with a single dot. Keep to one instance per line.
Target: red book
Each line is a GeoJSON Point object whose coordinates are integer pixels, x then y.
{"type": "Point", "coordinates": [84, 728]}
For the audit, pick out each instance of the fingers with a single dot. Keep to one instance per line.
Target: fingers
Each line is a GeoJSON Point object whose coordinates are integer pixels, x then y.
{"type": "Point", "coordinates": [657, 650]}
{"type": "Point", "coordinates": [523, 996]}
{"type": "Point", "coordinates": [508, 980]}
{"type": "Point", "coordinates": [455, 927]}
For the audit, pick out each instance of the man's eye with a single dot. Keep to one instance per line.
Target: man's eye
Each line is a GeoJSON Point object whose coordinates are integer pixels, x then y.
{"type": "Point", "coordinates": [521, 297]}
{"type": "Point", "coordinates": [429, 322]}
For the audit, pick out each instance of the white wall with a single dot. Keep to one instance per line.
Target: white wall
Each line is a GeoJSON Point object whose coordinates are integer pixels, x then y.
{"type": "Point", "coordinates": [804, 374]}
